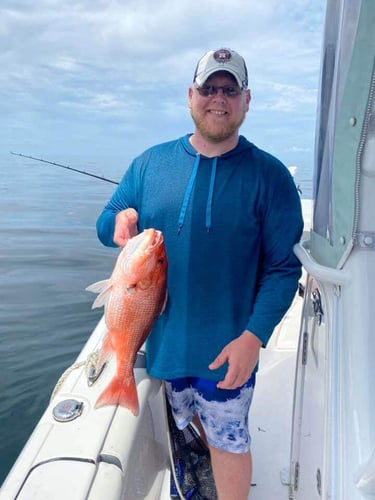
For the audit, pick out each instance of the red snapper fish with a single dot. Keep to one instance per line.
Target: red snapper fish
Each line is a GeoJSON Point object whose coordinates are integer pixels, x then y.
{"type": "Point", "coordinates": [133, 297]}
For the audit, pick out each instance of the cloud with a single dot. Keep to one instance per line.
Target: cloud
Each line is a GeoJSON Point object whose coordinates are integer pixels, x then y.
{"type": "Point", "coordinates": [286, 97]}
{"type": "Point", "coordinates": [127, 65]}
{"type": "Point", "coordinates": [297, 149]}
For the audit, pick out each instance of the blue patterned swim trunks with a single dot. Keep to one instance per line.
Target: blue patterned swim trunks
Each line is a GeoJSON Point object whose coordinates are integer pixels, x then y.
{"type": "Point", "coordinates": [223, 412]}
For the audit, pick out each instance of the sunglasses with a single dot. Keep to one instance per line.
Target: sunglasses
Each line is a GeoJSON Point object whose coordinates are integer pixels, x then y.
{"type": "Point", "coordinates": [212, 90]}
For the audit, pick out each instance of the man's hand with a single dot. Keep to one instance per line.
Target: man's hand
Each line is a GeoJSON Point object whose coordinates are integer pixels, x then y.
{"type": "Point", "coordinates": [242, 355]}
{"type": "Point", "coordinates": [125, 226]}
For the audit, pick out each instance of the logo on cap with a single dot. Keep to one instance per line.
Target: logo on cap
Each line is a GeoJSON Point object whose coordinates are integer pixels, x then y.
{"type": "Point", "coordinates": [222, 55]}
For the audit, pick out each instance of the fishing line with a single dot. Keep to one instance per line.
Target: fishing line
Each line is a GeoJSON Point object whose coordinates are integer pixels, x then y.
{"type": "Point", "coordinates": [66, 167]}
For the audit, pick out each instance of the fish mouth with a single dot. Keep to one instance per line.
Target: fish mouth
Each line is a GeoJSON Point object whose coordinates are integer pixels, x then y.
{"type": "Point", "coordinates": [157, 238]}
{"type": "Point", "coordinates": [145, 242]}
{"type": "Point", "coordinates": [153, 238]}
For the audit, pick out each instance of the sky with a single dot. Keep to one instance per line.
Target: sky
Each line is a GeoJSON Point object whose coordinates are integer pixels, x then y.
{"type": "Point", "coordinates": [110, 77]}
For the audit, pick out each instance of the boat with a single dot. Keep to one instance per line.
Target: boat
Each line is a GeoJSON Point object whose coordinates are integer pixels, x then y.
{"type": "Point", "coordinates": [311, 419]}
{"type": "Point", "coordinates": [333, 434]}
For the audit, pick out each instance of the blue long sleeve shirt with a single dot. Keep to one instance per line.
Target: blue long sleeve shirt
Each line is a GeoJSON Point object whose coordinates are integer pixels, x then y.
{"type": "Point", "coordinates": [229, 226]}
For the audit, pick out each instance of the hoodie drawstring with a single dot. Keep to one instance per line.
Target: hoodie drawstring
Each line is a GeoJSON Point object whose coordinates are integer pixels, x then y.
{"type": "Point", "coordinates": [210, 195]}
{"type": "Point", "coordinates": [189, 189]}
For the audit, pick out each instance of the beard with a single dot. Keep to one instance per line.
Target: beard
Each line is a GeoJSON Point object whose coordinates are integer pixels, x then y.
{"type": "Point", "coordinates": [216, 131]}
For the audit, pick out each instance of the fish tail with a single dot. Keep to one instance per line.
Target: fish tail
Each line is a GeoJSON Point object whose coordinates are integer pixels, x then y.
{"type": "Point", "coordinates": [120, 392]}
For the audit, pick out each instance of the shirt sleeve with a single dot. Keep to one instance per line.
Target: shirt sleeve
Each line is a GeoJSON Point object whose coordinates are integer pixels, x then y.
{"type": "Point", "coordinates": [280, 269]}
{"type": "Point", "coordinates": [125, 196]}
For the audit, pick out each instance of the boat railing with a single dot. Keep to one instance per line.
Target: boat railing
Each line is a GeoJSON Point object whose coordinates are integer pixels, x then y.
{"type": "Point", "coordinates": [320, 272]}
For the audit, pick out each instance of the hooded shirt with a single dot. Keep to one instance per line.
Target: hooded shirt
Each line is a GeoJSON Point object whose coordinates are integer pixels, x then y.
{"type": "Point", "coordinates": [229, 225]}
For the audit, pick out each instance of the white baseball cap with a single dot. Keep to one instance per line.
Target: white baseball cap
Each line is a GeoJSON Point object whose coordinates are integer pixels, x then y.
{"type": "Point", "coordinates": [221, 60]}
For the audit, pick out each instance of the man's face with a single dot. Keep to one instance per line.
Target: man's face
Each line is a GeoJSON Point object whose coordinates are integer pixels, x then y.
{"type": "Point", "coordinates": [218, 117]}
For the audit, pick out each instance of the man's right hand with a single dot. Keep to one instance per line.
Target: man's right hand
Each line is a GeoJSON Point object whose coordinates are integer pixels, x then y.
{"type": "Point", "coordinates": [125, 226]}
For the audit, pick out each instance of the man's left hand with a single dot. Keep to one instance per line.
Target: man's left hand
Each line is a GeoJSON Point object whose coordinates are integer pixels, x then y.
{"type": "Point", "coordinates": [242, 355]}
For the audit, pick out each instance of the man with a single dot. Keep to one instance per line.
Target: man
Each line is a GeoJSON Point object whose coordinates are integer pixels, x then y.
{"type": "Point", "coordinates": [230, 214]}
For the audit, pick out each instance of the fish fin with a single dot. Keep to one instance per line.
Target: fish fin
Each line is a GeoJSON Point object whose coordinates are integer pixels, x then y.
{"type": "Point", "coordinates": [103, 288]}
{"type": "Point", "coordinates": [106, 351]}
{"type": "Point", "coordinates": [120, 392]}
{"type": "Point", "coordinates": [100, 300]}
{"type": "Point", "coordinates": [99, 286]}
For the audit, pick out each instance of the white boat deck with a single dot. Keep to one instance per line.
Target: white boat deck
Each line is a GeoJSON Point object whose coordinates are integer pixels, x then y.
{"type": "Point", "coordinates": [272, 407]}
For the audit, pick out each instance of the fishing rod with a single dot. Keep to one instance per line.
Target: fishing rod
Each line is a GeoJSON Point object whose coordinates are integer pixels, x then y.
{"type": "Point", "coordinates": [65, 166]}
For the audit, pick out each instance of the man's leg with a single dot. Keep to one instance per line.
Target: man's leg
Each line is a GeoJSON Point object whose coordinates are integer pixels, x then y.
{"type": "Point", "coordinates": [198, 424]}
{"type": "Point", "coordinates": [222, 420]}
{"type": "Point", "coordinates": [232, 471]}
{"type": "Point", "coordinates": [232, 474]}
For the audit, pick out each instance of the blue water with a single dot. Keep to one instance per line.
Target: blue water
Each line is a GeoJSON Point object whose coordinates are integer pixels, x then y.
{"type": "Point", "coordinates": [49, 253]}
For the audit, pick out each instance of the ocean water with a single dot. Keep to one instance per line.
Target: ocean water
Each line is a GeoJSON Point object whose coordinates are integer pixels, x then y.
{"type": "Point", "coordinates": [49, 253]}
